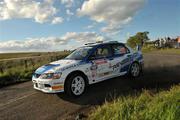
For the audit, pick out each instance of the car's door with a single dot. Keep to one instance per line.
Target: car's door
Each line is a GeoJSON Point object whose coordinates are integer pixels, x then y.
{"type": "Point", "coordinates": [101, 60]}
{"type": "Point", "coordinates": [121, 59]}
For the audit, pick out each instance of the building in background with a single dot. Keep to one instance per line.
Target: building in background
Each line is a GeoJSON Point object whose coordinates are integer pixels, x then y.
{"type": "Point", "coordinates": [178, 42]}
{"type": "Point", "coordinates": [166, 42]}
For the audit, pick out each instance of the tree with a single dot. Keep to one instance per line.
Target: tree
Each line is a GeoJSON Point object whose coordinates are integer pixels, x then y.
{"type": "Point", "coordinates": [139, 39]}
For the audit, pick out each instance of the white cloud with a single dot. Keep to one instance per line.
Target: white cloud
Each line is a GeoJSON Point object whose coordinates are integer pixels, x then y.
{"type": "Point", "coordinates": [57, 20]}
{"type": "Point", "coordinates": [84, 37]}
{"type": "Point", "coordinates": [115, 13]}
{"type": "Point", "coordinates": [41, 12]}
{"type": "Point", "coordinates": [68, 12]}
{"type": "Point", "coordinates": [33, 44]}
{"type": "Point", "coordinates": [50, 43]}
{"type": "Point", "coordinates": [67, 3]}
{"type": "Point", "coordinates": [91, 26]}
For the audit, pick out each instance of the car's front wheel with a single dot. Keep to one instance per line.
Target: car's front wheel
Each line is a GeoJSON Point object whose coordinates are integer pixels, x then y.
{"type": "Point", "coordinates": [135, 70]}
{"type": "Point", "coordinates": [75, 85]}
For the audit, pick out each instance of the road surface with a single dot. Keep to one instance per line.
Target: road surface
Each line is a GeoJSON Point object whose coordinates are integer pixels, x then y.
{"type": "Point", "coordinates": [21, 101]}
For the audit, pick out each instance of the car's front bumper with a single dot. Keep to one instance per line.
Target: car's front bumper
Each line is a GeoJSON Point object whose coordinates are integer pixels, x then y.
{"type": "Point", "coordinates": [48, 86]}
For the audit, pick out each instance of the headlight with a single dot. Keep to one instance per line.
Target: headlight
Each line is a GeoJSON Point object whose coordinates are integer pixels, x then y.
{"type": "Point", "coordinates": [51, 75]}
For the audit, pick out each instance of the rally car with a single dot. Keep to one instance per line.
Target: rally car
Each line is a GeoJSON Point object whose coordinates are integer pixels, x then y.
{"type": "Point", "coordinates": [89, 64]}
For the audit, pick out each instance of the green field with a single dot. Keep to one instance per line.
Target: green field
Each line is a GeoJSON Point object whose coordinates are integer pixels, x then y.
{"type": "Point", "coordinates": [150, 49]}
{"type": "Point", "coordinates": [28, 54]}
{"type": "Point", "coordinates": [21, 69]}
{"type": "Point", "coordinates": [18, 55]}
{"type": "Point", "coordinates": [145, 106]}
{"type": "Point", "coordinates": [167, 51]}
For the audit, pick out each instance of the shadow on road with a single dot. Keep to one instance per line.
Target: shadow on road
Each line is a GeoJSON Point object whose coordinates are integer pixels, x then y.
{"type": "Point", "coordinates": [156, 78]}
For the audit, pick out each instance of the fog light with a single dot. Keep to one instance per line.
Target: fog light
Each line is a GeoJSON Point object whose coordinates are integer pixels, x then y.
{"type": "Point", "coordinates": [57, 87]}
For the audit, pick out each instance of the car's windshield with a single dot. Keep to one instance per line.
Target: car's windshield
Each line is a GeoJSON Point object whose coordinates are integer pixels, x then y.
{"type": "Point", "coordinates": [79, 53]}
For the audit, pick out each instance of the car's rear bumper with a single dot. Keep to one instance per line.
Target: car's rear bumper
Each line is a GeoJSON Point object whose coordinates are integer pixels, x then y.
{"type": "Point", "coordinates": [53, 86]}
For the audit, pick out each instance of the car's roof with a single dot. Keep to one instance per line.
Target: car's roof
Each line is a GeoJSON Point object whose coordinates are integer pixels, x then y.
{"type": "Point", "coordinates": [105, 43]}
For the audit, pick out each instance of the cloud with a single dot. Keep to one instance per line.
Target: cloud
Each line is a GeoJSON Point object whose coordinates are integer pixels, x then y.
{"type": "Point", "coordinates": [57, 20]}
{"type": "Point", "coordinates": [41, 12]}
{"type": "Point", "coordinates": [67, 3]}
{"type": "Point", "coordinates": [50, 43]}
{"type": "Point", "coordinates": [84, 37]}
{"type": "Point", "coordinates": [115, 13]}
{"type": "Point", "coordinates": [33, 44]}
{"type": "Point", "coordinates": [91, 26]}
{"type": "Point", "coordinates": [68, 12]}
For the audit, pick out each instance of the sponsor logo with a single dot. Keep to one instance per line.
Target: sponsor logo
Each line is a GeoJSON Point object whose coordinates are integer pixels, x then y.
{"type": "Point", "coordinates": [116, 66]}
{"type": "Point", "coordinates": [69, 67]}
{"type": "Point", "coordinates": [99, 62]}
{"type": "Point", "coordinates": [94, 67]}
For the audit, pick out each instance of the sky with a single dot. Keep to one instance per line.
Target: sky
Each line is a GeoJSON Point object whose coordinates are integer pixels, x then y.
{"type": "Point", "coordinates": [54, 25]}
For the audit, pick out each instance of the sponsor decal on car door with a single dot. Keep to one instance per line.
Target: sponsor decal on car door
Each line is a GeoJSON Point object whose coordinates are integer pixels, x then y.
{"type": "Point", "coordinates": [121, 60]}
{"type": "Point", "coordinates": [100, 68]}
{"type": "Point", "coordinates": [100, 64]}
{"type": "Point", "coordinates": [115, 65]}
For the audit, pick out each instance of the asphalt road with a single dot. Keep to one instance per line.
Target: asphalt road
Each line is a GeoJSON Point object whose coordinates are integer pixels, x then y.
{"type": "Point", "coordinates": [21, 101]}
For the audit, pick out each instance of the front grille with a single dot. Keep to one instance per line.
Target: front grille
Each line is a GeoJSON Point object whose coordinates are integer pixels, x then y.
{"type": "Point", "coordinates": [36, 75]}
{"type": "Point", "coordinates": [47, 85]}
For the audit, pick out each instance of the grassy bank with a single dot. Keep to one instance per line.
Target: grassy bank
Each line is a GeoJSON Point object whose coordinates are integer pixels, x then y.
{"type": "Point", "coordinates": [19, 55]}
{"type": "Point", "coordinates": [28, 54]}
{"type": "Point", "coordinates": [19, 70]}
{"type": "Point", "coordinates": [150, 49]}
{"type": "Point", "coordinates": [167, 51]}
{"type": "Point", "coordinates": [146, 106]}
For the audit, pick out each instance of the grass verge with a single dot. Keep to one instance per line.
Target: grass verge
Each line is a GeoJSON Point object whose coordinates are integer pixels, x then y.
{"type": "Point", "coordinates": [20, 70]}
{"type": "Point", "coordinates": [146, 106]}
{"type": "Point", "coordinates": [161, 50]}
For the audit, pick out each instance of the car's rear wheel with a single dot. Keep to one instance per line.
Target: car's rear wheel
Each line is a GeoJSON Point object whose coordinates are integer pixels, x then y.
{"type": "Point", "coordinates": [75, 85]}
{"type": "Point", "coordinates": [135, 70]}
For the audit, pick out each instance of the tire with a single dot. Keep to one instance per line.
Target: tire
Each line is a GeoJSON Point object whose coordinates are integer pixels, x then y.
{"type": "Point", "coordinates": [135, 70]}
{"type": "Point", "coordinates": [75, 85]}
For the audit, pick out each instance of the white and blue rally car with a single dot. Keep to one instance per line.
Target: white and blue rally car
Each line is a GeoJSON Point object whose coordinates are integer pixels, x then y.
{"type": "Point", "coordinates": [86, 65]}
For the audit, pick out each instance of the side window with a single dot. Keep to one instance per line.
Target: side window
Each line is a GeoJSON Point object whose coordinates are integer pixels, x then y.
{"type": "Point", "coordinates": [120, 49]}
{"type": "Point", "coordinates": [101, 52]}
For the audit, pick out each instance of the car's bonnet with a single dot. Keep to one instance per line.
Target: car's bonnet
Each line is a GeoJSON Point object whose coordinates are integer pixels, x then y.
{"type": "Point", "coordinates": [55, 66]}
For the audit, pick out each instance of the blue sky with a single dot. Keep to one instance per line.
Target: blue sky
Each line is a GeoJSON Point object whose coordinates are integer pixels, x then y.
{"type": "Point", "coordinates": [160, 17]}
{"type": "Point", "coordinates": [84, 23]}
